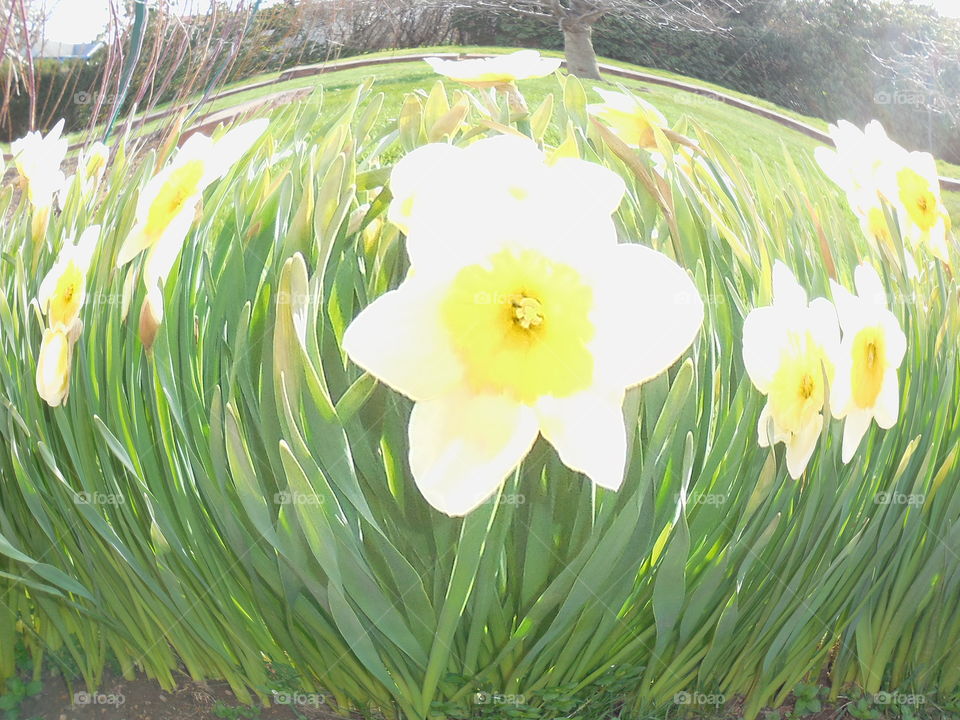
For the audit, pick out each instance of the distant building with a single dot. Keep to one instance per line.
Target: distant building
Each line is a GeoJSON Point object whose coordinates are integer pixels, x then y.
{"type": "Point", "coordinates": [66, 51]}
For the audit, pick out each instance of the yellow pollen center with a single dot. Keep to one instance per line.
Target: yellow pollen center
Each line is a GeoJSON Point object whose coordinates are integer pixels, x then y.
{"type": "Point", "coordinates": [918, 198]}
{"type": "Point", "coordinates": [520, 324]}
{"type": "Point", "coordinates": [527, 311]}
{"type": "Point", "coordinates": [67, 296]}
{"type": "Point", "coordinates": [869, 366]}
{"type": "Point", "coordinates": [797, 391]}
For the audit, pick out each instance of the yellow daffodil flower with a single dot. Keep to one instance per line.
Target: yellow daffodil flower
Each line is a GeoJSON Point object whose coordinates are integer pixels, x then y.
{"type": "Point", "coordinates": [522, 316]}
{"type": "Point", "coordinates": [63, 289]}
{"type": "Point", "coordinates": [38, 159]}
{"type": "Point", "coordinates": [870, 167]}
{"type": "Point", "coordinates": [496, 71]}
{"type": "Point", "coordinates": [93, 162]}
{"type": "Point", "coordinates": [787, 351]}
{"type": "Point", "coordinates": [913, 188]}
{"type": "Point", "coordinates": [632, 119]}
{"type": "Point", "coordinates": [53, 364]}
{"type": "Point", "coordinates": [168, 202]}
{"type": "Point", "coordinates": [866, 387]}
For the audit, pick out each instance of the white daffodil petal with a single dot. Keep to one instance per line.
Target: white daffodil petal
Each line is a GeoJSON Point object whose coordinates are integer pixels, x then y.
{"type": "Point", "coordinates": [896, 340]}
{"type": "Point", "coordinates": [53, 366]}
{"type": "Point", "coordinates": [887, 408]}
{"type": "Point", "coordinates": [86, 246]}
{"type": "Point", "coordinates": [841, 391]}
{"type": "Point", "coordinates": [496, 70]}
{"type": "Point", "coordinates": [463, 446]}
{"type": "Point", "coordinates": [503, 152]}
{"type": "Point", "coordinates": [869, 286]}
{"type": "Point", "coordinates": [765, 428]}
{"type": "Point", "coordinates": [165, 251]}
{"type": "Point", "coordinates": [399, 339]}
{"type": "Point", "coordinates": [647, 314]}
{"type": "Point", "coordinates": [133, 244]}
{"type": "Point", "coordinates": [587, 186]}
{"type": "Point", "coordinates": [226, 150]}
{"type": "Point", "coordinates": [49, 283]}
{"type": "Point", "coordinates": [427, 165]}
{"type": "Point", "coordinates": [589, 434]}
{"type": "Point", "coordinates": [764, 334]}
{"type": "Point", "coordinates": [834, 167]}
{"type": "Point", "coordinates": [786, 289]}
{"type": "Point", "coordinates": [847, 306]}
{"type": "Point", "coordinates": [824, 327]}
{"type": "Point", "coordinates": [800, 448]}
{"type": "Point", "coordinates": [855, 426]}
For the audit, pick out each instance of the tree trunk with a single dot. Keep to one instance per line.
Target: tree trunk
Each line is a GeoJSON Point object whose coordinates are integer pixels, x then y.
{"type": "Point", "coordinates": [578, 48]}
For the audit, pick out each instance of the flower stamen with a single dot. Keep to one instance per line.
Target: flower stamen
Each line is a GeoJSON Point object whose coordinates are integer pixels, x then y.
{"type": "Point", "coordinates": [527, 311]}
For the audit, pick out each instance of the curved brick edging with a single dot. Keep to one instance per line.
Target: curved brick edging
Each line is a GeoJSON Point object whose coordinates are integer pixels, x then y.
{"type": "Point", "coordinates": [210, 120]}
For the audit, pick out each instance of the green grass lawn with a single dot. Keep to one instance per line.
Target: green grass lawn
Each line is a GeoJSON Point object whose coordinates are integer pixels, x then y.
{"type": "Point", "coordinates": [747, 136]}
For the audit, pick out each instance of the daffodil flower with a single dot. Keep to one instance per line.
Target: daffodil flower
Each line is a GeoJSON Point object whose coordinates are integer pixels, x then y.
{"type": "Point", "coordinates": [168, 202]}
{"type": "Point", "coordinates": [91, 165]}
{"type": "Point", "coordinates": [93, 162]}
{"type": "Point", "coordinates": [868, 166]}
{"type": "Point", "coordinates": [441, 186]}
{"type": "Point", "coordinates": [496, 71]}
{"type": "Point", "coordinates": [63, 289]}
{"type": "Point", "coordinates": [520, 320]}
{"type": "Point", "coordinates": [53, 365]}
{"type": "Point", "coordinates": [913, 187]}
{"type": "Point", "coordinates": [787, 351]}
{"type": "Point", "coordinates": [859, 156]}
{"type": "Point", "coordinates": [857, 167]}
{"type": "Point", "coordinates": [38, 159]}
{"type": "Point", "coordinates": [632, 119]}
{"type": "Point", "coordinates": [866, 387]}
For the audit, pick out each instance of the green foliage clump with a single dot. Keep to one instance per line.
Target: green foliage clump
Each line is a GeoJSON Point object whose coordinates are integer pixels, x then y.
{"type": "Point", "coordinates": [241, 491]}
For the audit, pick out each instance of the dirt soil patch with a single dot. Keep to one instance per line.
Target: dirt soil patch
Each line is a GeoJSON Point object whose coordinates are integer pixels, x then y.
{"type": "Point", "coordinates": [143, 699]}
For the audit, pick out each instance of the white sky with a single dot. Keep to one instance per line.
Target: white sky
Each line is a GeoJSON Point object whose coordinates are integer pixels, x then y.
{"type": "Point", "coordinates": [79, 21]}
{"type": "Point", "coordinates": [76, 21]}
{"type": "Point", "coordinates": [947, 7]}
